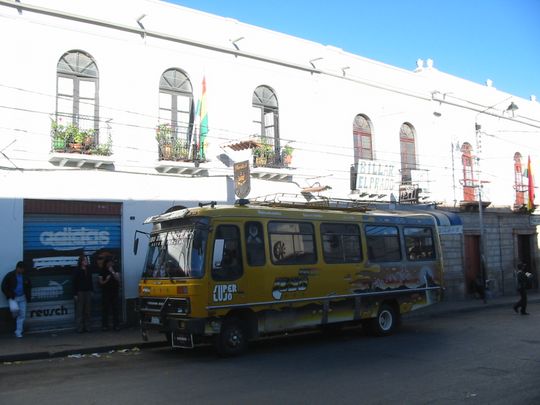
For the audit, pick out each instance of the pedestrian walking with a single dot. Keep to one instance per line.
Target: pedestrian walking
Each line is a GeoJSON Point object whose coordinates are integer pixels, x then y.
{"type": "Point", "coordinates": [523, 278]}
{"type": "Point", "coordinates": [109, 279]}
{"type": "Point", "coordinates": [82, 294]}
{"type": "Point", "coordinates": [17, 287]}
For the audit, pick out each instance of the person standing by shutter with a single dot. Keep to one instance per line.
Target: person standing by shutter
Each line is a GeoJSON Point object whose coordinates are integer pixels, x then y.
{"type": "Point", "coordinates": [17, 287]}
{"type": "Point", "coordinates": [109, 279]}
{"type": "Point", "coordinates": [82, 294]}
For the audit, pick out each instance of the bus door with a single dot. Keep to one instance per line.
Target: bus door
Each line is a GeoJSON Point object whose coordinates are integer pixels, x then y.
{"type": "Point", "coordinates": [227, 281]}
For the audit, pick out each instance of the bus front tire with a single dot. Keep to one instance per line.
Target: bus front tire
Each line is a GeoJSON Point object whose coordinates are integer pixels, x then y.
{"type": "Point", "coordinates": [232, 340]}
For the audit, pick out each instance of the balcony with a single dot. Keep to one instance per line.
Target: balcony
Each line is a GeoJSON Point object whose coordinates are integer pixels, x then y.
{"type": "Point", "coordinates": [78, 138]}
{"type": "Point", "coordinates": [77, 145]}
{"type": "Point", "coordinates": [177, 150]}
{"type": "Point", "coordinates": [264, 153]}
{"type": "Point", "coordinates": [175, 146]}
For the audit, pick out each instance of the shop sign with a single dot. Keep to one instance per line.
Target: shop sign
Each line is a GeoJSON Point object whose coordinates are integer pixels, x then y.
{"type": "Point", "coordinates": [408, 194]}
{"type": "Point", "coordinates": [534, 220]}
{"type": "Point", "coordinates": [377, 178]}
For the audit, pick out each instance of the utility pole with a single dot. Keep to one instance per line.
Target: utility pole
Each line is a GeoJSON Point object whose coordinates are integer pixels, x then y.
{"type": "Point", "coordinates": [478, 127]}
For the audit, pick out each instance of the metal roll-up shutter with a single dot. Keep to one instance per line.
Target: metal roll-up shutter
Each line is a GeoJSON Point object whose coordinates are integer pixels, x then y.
{"type": "Point", "coordinates": [52, 245]}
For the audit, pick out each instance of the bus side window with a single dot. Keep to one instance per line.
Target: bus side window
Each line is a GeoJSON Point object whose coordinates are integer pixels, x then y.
{"type": "Point", "coordinates": [419, 243]}
{"type": "Point", "coordinates": [227, 256]}
{"type": "Point", "coordinates": [254, 244]}
{"type": "Point", "coordinates": [341, 243]}
{"type": "Point", "coordinates": [383, 243]}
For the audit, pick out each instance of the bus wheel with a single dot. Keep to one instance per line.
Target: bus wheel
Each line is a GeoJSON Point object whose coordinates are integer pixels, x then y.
{"type": "Point", "coordinates": [386, 321]}
{"type": "Point", "coordinates": [232, 339]}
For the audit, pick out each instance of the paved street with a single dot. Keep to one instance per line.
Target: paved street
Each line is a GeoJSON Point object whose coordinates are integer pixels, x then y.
{"type": "Point", "coordinates": [490, 356]}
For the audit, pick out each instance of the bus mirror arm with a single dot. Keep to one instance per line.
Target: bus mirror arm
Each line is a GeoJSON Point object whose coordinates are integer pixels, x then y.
{"type": "Point", "coordinates": [136, 241]}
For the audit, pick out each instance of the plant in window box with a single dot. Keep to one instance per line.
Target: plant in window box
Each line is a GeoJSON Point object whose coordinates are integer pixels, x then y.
{"type": "Point", "coordinates": [88, 136]}
{"type": "Point", "coordinates": [59, 136]}
{"type": "Point", "coordinates": [263, 153]}
{"type": "Point", "coordinates": [164, 138]}
{"type": "Point", "coordinates": [102, 149]}
{"type": "Point", "coordinates": [75, 138]}
{"type": "Point", "coordinates": [286, 154]}
{"type": "Point", "coordinates": [180, 151]}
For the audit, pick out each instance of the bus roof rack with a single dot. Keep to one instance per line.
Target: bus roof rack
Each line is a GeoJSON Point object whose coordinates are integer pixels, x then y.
{"type": "Point", "coordinates": [290, 200]}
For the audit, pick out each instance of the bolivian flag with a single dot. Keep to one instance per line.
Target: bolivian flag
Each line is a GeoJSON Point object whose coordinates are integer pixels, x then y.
{"type": "Point", "coordinates": [203, 122]}
{"type": "Point", "coordinates": [530, 177]}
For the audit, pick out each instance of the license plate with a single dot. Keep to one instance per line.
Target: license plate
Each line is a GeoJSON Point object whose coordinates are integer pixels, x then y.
{"type": "Point", "coordinates": [184, 340]}
{"type": "Point", "coordinates": [154, 320]}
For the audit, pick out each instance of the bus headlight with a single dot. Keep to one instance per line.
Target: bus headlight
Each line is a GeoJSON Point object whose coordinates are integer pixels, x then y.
{"type": "Point", "coordinates": [178, 306]}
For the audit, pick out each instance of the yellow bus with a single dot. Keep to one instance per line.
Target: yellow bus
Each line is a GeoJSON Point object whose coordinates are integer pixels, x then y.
{"type": "Point", "coordinates": [232, 274]}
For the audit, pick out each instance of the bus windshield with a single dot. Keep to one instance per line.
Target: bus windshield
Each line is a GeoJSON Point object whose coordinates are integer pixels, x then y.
{"type": "Point", "coordinates": [178, 251]}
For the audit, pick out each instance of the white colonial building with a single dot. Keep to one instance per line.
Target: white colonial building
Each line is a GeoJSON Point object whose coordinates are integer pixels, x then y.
{"type": "Point", "coordinates": [103, 123]}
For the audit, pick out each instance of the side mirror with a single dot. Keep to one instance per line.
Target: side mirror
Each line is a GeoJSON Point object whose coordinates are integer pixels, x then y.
{"type": "Point", "coordinates": [136, 241]}
{"type": "Point", "coordinates": [217, 259]}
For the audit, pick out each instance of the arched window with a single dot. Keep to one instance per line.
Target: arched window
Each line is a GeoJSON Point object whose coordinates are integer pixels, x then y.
{"type": "Point", "coordinates": [408, 152]}
{"type": "Point", "coordinates": [362, 139]}
{"type": "Point", "coordinates": [77, 86]}
{"type": "Point", "coordinates": [176, 115]}
{"type": "Point", "coordinates": [468, 181]}
{"type": "Point", "coordinates": [265, 119]}
{"type": "Point", "coordinates": [518, 181]}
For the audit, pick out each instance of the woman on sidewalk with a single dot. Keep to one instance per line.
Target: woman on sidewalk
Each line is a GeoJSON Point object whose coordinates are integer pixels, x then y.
{"type": "Point", "coordinates": [82, 294]}
{"type": "Point", "coordinates": [16, 287]}
{"type": "Point", "coordinates": [109, 279]}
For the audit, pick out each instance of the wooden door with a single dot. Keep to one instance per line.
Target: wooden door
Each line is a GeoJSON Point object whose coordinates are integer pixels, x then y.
{"type": "Point", "coordinates": [472, 262]}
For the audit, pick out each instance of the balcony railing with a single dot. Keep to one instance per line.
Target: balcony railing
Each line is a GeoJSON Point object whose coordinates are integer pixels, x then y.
{"type": "Point", "coordinates": [177, 150]}
{"type": "Point", "coordinates": [174, 145]}
{"type": "Point", "coordinates": [265, 154]}
{"type": "Point", "coordinates": [80, 137]}
{"type": "Point", "coordinates": [275, 162]}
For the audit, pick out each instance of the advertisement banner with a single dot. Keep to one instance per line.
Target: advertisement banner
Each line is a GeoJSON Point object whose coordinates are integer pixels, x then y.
{"type": "Point", "coordinates": [52, 246]}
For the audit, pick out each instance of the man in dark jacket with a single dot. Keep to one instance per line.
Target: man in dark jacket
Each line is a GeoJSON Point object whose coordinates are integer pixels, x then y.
{"type": "Point", "coordinates": [17, 288]}
{"type": "Point", "coordinates": [522, 284]}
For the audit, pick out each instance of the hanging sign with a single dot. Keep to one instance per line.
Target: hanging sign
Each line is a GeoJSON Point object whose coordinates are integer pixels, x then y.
{"type": "Point", "coordinates": [242, 184]}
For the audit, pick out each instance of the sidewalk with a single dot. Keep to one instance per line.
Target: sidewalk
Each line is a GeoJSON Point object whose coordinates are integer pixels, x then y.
{"type": "Point", "coordinates": [46, 345]}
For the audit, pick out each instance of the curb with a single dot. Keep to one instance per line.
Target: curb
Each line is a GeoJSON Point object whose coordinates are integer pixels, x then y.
{"type": "Point", "coordinates": [10, 358]}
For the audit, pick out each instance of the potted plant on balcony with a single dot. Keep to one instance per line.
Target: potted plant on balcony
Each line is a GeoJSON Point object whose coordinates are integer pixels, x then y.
{"type": "Point", "coordinates": [286, 154]}
{"type": "Point", "coordinates": [164, 138]}
{"type": "Point", "coordinates": [263, 153]}
{"type": "Point", "coordinates": [102, 149]}
{"type": "Point", "coordinates": [88, 138]}
{"type": "Point", "coordinates": [59, 137]}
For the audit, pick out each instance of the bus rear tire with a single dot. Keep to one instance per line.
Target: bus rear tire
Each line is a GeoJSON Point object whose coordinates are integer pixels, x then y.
{"type": "Point", "coordinates": [386, 321]}
{"type": "Point", "coordinates": [232, 340]}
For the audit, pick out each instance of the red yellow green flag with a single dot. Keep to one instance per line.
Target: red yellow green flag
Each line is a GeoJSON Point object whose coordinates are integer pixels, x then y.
{"type": "Point", "coordinates": [530, 202]}
{"type": "Point", "coordinates": [203, 120]}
